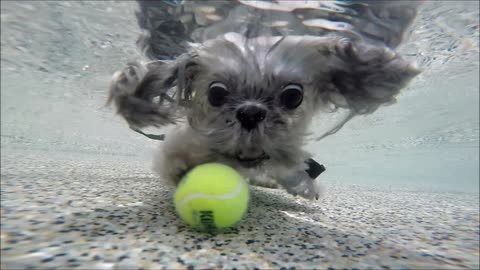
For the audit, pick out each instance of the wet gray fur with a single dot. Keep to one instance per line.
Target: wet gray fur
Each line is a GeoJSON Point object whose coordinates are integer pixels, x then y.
{"type": "Point", "coordinates": [334, 71]}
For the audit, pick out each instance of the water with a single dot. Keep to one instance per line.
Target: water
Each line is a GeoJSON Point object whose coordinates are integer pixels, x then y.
{"type": "Point", "coordinates": [57, 58]}
{"type": "Point", "coordinates": [56, 68]}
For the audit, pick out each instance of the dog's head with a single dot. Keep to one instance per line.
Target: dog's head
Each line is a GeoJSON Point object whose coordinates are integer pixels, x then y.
{"type": "Point", "coordinates": [252, 100]}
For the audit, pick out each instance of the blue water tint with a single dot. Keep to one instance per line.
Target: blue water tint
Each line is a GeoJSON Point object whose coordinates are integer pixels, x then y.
{"type": "Point", "coordinates": [57, 58]}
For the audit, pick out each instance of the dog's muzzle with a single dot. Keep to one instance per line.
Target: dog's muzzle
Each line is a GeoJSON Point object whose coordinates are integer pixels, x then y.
{"type": "Point", "coordinates": [248, 161]}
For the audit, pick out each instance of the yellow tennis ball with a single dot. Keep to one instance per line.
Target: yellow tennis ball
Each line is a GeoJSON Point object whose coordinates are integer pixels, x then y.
{"type": "Point", "coordinates": [211, 196]}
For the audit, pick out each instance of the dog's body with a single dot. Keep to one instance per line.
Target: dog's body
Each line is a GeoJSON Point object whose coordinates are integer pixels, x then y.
{"type": "Point", "coordinates": [248, 101]}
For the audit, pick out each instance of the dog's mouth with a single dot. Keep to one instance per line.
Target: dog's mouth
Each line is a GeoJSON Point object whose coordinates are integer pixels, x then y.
{"type": "Point", "coordinates": [250, 161]}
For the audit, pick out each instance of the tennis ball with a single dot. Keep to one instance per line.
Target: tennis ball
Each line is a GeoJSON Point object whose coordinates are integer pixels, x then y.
{"type": "Point", "coordinates": [211, 196]}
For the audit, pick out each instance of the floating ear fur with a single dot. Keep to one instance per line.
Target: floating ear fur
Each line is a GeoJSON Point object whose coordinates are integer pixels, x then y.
{"type": "Point", "coordinates": [363, 77]}
{"type": "Point", "coordinates": [153, 94]}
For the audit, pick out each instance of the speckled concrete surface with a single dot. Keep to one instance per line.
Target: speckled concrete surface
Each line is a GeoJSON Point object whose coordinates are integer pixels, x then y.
{"type": "Point", "coordinates": [61, 210]}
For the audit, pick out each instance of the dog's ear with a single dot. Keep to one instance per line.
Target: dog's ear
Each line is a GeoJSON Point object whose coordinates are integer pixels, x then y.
{"type": "Point", "coordinates": [152, 94]}
{"type": "Point", "coordinates": [362, 77]}
{"type": "Point", "coordinates": [342, 72]}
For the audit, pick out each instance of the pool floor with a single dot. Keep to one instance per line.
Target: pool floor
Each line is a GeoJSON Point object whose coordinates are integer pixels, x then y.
{"type": "Point", "coordinates": [80, 211]}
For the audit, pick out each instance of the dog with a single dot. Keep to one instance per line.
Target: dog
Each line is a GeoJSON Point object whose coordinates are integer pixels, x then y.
{"type": "Point", "coordinates": [248, 101]}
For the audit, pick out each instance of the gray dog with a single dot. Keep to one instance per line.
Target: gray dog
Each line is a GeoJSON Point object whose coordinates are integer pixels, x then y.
{"type": "Point", "coordinates": [246, 97]}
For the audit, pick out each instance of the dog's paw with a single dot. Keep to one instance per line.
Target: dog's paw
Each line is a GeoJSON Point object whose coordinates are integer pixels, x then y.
{"type": "Point", "coordinates": [303, 185]}
{"type": "Point", "coordinates": [170, 166]}
{"type": "Point", "coordinates": [264, 182]}
{"type": "Point", "coordinates": [125, 81]}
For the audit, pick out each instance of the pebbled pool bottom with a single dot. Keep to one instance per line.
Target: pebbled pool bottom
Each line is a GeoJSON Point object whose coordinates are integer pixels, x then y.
{"type": "Point", "coordinates": [73, 211]}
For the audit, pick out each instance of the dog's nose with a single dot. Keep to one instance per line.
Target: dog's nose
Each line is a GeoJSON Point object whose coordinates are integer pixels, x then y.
{"type": "Point", "coordinates": [249, 116]}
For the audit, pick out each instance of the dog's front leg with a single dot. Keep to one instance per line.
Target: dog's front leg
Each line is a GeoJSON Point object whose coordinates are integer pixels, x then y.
{"type": "Point", "coordinates": [299, 182]}
{"type": "Point", "coordinates": [180, 152]}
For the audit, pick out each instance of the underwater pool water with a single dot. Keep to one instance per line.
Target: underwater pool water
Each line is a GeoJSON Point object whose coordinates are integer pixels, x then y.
{"type": "Point", "coordinates": [61, 143]}
{"type": "Point", "coordinates": [58, 57]}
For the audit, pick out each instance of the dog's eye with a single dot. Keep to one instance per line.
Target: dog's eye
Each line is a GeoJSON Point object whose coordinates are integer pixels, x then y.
{"type": "Point", "coordinates": [292, 96]}
{"type": "Point", "coordinates": [217, 94]}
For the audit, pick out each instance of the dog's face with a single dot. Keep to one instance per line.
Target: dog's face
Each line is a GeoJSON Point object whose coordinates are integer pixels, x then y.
{"type": "Point", "coordinates": [251, 101]}
{"type": "Point", "coordinates": [250, 105]}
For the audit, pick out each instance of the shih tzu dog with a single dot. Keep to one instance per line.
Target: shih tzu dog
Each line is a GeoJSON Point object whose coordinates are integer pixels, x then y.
{"type": "Point", "coordinates": [248, 101]}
